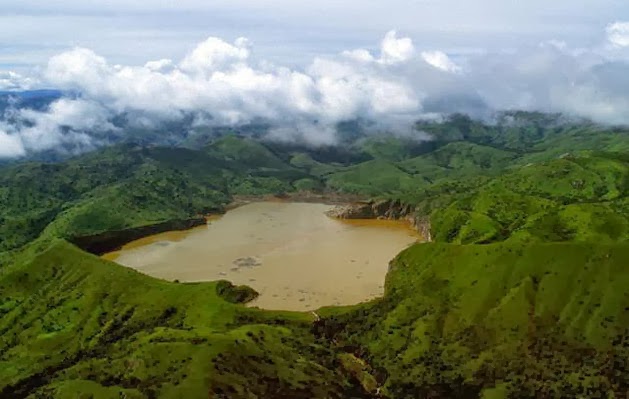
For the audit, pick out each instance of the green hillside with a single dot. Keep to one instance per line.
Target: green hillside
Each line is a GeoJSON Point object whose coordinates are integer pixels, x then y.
{"type": "Point", "coordinates": [128, 186]}
{"type": "Point", "coordinates": [531, 320]}
{"type": "Point", "coordinates": [522, 293]}
{"type": "Point", "coordinates": [463, 158]}
{"type": "Point", "coordinates": [72, 323]}
{"type": "Point", "coordinates": [373, 178]}
{"type": "Point", "coordinates": [560, 200]}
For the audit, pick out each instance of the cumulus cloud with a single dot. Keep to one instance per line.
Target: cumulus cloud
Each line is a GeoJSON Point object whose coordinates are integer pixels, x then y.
{"type": "Point", "coordinates": [618, 34]}
{"type": "Point", "coordinates": [215, 54]}
{"type": "Point", "coordinates": [223, 83]}
{"type": "Point", "coordinates": [162, 65]}
{"type": "Point", "coordinates": [440, 60]}
{"type": "Point", "coordinates": [219, 83]}
{"type": "Point", "coordinates": [10, 80]}
{"type": "Point", "coordinates": [395, 50]}
{"type": "Point", "coordinates": [222, 80]}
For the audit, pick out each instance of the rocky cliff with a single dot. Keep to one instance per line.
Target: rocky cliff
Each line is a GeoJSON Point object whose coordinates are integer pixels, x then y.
{"type": "Point", "coordinates": [384, 209]}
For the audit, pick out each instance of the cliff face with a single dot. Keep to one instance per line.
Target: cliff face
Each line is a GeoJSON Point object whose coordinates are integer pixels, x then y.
{"type": "Point", "coordinates": [108, 241]}
{"type": "Point", "coordinates": [422, 225]}
{"type": "Point", "coordinates": [384, 209]}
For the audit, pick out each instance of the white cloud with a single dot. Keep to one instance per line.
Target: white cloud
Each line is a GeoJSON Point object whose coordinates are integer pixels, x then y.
{"type": "Point", "coordinates": [80, 68]}
{"type": "Point", "coordinates": [162, 65]}
{"type": "Point", "coordinates": [220, 78]}
{"type": "Point", "coordinates": [10, 80]}
{"type": "Point", "coordinates": [440, 60]}
{"type": "Point", "coordinates": [68, 125]}
{"type": "Point", "coordinates": [10, 145]}
{"type": "Point", "coordinates": [395, 50]}
{"type": "Point", "coordinates": [360, 55]}
{"type": "Point", "coordinates": [129, 32]}
{"type": "Point", "coordinates": [220, 82]}
{"type": "Point", "coordinates": [76, 114]}
{"type": "Point", "coordinates": [215, 54]}
{"type": "Point", "coordinates": [618, 34]}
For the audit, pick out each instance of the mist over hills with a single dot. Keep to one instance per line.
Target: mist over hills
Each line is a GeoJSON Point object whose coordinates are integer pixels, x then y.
{"type": "Point", "coordinates": [187, 132]}
{"type": "Point", "coordinates": [221, 84]}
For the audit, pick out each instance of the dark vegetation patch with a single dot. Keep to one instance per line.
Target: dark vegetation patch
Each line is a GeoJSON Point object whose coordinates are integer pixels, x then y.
{"type": "Point", "coordinates": [235, 294]}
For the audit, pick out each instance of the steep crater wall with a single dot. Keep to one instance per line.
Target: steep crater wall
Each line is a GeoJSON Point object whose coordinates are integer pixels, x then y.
{"type": "Point", "coordinates": [108, 241]}
{"type": "Point", "coordinates": [384, 209]}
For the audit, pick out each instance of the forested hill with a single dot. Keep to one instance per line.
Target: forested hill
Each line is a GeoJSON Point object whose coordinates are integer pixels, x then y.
{"type": "Point", "coordinates": [521, 293]}
{"type": "Point", "coordinates": [537, 158]}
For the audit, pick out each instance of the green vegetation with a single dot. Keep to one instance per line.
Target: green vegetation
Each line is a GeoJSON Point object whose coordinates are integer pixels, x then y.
{"type": "Point", "coordinates": [71, 323]}
{"type": "Point", "coordinates": [561, 200]}
{"type": "Point", "coordinates": [373, 178]}
{"type": "Point", "coordinates": [521, 294]}
{"type": "Point", "coordinates": [457, 318]}
{"type": "Point", "coordinates": [128, 186]}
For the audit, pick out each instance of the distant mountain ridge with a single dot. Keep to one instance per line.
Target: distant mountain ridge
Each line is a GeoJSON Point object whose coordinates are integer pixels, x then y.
{"type": "Point", "coordinates": [195, 131]}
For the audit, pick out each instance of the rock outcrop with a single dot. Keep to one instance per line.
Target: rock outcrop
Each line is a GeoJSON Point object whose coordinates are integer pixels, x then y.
{"type": "Point", "coordinates": [384, 209]}
{"type": "Point", "coordinates": [422, 225]}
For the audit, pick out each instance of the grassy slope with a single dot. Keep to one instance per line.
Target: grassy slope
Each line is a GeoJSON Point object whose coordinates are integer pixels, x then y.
{"type": "Point", "coordinates": [463, 158]}
{"type": "Point", "coordinates": [560, 200]}
{"type": "Point", "coordinates": [458, 320]}
{"type": "Point", "coordinates": [126, 186]}
{"type": "Point", "coordinates": [376, 177]}
{"type": "Point", "coordinates": [71, 323]}
{"type": "Point", "coordinates": [116, 188]}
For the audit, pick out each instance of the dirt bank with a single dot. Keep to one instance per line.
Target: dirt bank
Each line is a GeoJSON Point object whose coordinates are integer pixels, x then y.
{"type": "Point", "coordinates": [109, 241]}
{"type": "Point", "coordinates": [384, 209]}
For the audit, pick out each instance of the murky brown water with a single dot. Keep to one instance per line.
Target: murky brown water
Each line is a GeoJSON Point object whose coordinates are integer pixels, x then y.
{"type": "Point", "coordinates": [295, 256]}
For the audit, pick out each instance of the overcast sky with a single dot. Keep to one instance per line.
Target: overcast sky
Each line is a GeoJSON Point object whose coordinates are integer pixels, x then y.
{"type": "Point", "coordinates": [290, 32]}
{"type": "Point", "coordinates": [305, 66]}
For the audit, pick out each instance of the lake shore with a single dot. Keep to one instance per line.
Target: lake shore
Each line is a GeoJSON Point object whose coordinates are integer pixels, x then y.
{"type": "Point", "coordinates": [328, 198]}
{"type": "Point", "coordinates": [292, 253]}
{"type": "Point", "coordinates": [111, 241]}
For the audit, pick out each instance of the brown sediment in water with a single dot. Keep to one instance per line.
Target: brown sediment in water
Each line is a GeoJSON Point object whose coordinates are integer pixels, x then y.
{"type": "Point", "coordinates": [292, 253]}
